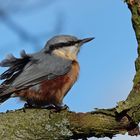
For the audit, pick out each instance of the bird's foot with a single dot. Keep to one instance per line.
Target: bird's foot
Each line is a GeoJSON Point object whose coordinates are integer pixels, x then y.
{"type": "Point", "coordinates": [61, 107]}
{"type": "Point", "coordinates": [27, 105]}
{"type": "Point", "coordinates": [49, 106]}
{"type": "Point", "coordinates": [56, 108]}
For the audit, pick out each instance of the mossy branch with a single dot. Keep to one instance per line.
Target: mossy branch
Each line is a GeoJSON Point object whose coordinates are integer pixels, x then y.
{"type": "Point", "coordinates": [42, 124]}
{"type": "Point", "coordinates": [133, 98]}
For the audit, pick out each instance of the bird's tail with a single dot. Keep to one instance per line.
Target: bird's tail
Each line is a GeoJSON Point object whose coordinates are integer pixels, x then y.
{"type": "Point", "coordinates": [4, 95]}
{"type": "Point", "coordinates": [16, 66]}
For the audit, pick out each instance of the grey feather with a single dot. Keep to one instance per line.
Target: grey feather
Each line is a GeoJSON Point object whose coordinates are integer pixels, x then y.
{"type": "Point", "coordinates": [15, 66]}
{"type": "Point", "coordinates": [46, 67]}
{"type": "Point", "coordinates": [8, 61]}
{"type": "Point", "coordinates": [23, 54]}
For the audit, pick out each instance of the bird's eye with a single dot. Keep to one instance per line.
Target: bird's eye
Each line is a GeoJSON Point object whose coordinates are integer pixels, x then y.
{"type": "Point", "coordinates": [61, 45]}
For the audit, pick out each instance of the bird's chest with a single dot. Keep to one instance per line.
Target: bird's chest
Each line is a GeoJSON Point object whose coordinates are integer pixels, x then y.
{"type": "Point", "coordinates": [60, 84]}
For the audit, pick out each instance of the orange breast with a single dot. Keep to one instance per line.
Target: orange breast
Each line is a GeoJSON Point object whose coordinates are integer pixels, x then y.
{"type": "Point", "coordinates": [52, 91]}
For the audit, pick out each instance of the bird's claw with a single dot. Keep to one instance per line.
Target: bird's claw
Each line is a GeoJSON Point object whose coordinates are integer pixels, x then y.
{"type": "Point", "coordinates": [27, 105]}
{"type": "Point", "coordinates": [54, 107]}
{"type": "Point", "coordinates": [61, 107]}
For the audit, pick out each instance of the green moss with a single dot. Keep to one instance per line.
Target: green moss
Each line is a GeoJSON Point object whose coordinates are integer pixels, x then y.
{"type": "Point", "coordinates": [134, 96]}
{"type": "Point", "coordinates": [33, 124]}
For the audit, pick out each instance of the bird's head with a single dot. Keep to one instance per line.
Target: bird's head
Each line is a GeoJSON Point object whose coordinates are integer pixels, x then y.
{"type": "Point", "coordinates": [65, 46]}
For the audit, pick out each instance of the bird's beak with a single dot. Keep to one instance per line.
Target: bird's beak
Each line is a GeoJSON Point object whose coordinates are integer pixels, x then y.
{"type": "Point", "coordinates": [85, 40]}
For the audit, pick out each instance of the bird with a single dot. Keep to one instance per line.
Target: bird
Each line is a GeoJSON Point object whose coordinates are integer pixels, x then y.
{"type": "Point", "coordinates": [42, 79]}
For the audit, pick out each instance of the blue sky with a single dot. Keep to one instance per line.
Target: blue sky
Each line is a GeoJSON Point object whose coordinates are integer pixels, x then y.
{"type": "Point", "coordinates": [106, 63]}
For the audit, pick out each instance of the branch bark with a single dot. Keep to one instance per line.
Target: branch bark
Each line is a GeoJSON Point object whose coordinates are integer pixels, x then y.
{"type": "Point", "coordinates": [42, 124]}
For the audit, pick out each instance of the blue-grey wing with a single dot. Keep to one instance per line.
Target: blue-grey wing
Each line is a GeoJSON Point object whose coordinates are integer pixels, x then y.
{"type": "Point", "coordinates": [39, 67]}
{"type": "Point", "coordinates": [15, 65]}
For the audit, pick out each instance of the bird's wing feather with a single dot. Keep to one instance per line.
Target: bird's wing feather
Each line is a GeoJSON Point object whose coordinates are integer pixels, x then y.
{"type": "Point", "coordinates": [15, 65]}
{"type": "Point", "coordinates": [41, 67]}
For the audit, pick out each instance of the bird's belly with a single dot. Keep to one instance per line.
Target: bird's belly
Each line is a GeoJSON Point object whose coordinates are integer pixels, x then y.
{"type": "Point", "coordinates": [47, 92]}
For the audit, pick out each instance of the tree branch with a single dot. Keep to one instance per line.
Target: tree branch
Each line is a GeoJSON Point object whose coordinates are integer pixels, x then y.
{"type": "Point", "coordinates": [35, 124]}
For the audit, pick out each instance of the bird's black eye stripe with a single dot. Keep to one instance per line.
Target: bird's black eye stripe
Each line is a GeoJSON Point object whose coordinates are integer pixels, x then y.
{"type": "Point", "coordinates": [61, 45]}
{"type": "Point", "coordinates": [64, 44]}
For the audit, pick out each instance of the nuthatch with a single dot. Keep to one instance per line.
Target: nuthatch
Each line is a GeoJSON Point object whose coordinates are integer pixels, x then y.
{"type": "Point", "coordinates": [45, 77]}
